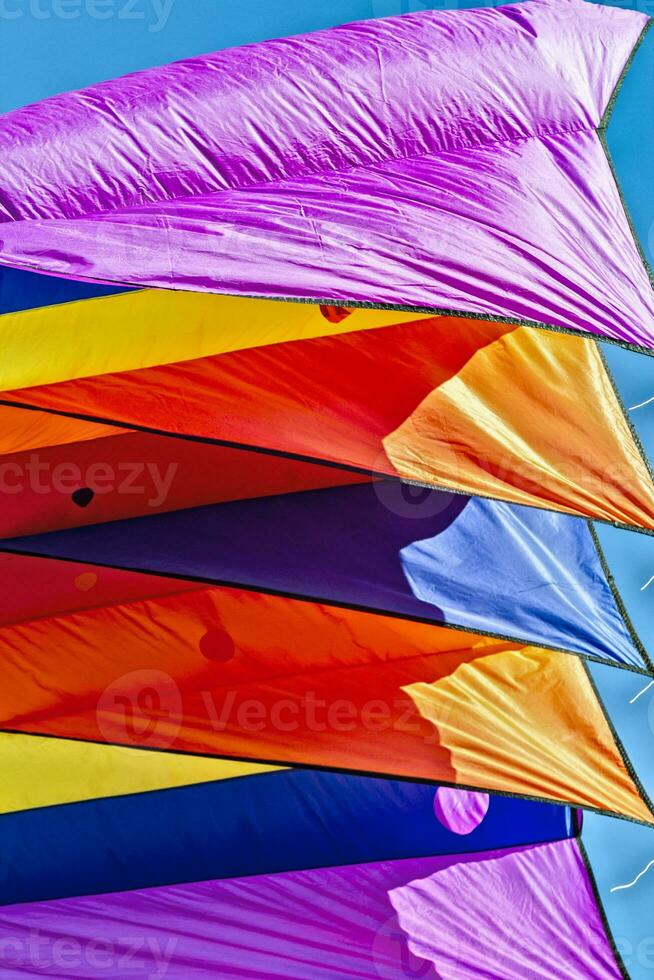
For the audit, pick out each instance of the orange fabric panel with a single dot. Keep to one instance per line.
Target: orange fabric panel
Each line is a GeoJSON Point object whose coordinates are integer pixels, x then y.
{"type": "Point", "coordinates": [483, 407]}
{"type": "Point", "coordinates": [22, 430]}
{"type": "Point", "coordinates": [505, 721]}
{"type": "Point", "coordinates": [532, 418]}
{"type": "Point", "coordinates": [232, 673]}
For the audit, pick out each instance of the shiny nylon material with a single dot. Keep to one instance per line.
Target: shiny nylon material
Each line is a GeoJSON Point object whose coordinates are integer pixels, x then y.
{"type": "Point", "coordinates": [48, 772]}
{"type": "Point", "coordinates": [443, 162]}
{"type": "Point", "coordinates": [559, 931]}
{"type": "Point", "coordinates": [466, 410]}
{"type": "Point", "coordinates": [326, 924]}
{"type": "Point", "coordinates": [22, 431]}
{"type": "Point", "coordinates": [140, 328]}
{"type": "Point", "coordinates": [357, 921]}
{"type": "Point", "coordinates": [180, 833]}
{"type": "Point", "coordinates": [147, 473]}
{"type": "Point", "coordinates": [424, 177]}
{"type": "Point", "coordinates": [527, 745]}
{"type": "Point", "coordinates": [489, 430]}
{"type": "Point", "coordinates": [484, 565]}
{"type": "Point", "coordinates": [331, 687]}
{"type": "Point", "coordinates": [522, 570]}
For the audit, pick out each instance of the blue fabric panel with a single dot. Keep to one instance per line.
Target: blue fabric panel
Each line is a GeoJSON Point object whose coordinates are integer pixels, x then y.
{"type": "Point", "coordinates": [522, 572]}
{"type": "Point", "coordinates": [480, 564]}
{"type": "Point", "coordinates": [22, 290]}
{"type": "Point", "coordinates": [630, 137]}
{"type": "Point", "coordinates": [244, 826]}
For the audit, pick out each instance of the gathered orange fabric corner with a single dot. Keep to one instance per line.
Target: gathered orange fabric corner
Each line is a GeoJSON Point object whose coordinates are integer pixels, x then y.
{"type": "Point", "coordinates": [478, 406]}
{"type": "Point", "coordinates": [227, 672]}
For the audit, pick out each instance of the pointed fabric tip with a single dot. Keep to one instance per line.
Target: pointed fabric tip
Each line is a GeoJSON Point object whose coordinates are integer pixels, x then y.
{"type": "Point", "coordinates": [379, 200]}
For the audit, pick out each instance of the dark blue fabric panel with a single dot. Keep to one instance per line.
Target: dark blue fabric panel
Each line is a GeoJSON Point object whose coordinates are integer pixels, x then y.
{"type": "Point", "coordinates": [341, 544]}
{"type": "Point", "coordinates": [481, 564]}
{"type": "Point", "coordinates": [22, 290]}
{"type": "Point", "coordinates": [250, 825]}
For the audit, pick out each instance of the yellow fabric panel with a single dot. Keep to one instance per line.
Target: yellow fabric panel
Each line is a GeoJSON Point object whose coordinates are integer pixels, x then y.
{"type": "Point", "coordinates": [532, 418]}
{"type": "Point", "coordinates": [22, 430]}
{"type": "Point", "coordinates": [529, 722]}
{"type": "Point", "coordinates": [147, 327]}
{"type": "Point", "coordinates": [40, 771]}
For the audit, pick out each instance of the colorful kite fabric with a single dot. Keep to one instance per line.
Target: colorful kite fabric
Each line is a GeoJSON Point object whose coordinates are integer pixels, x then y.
{"type": "Point", "coordinates": [299, 598]}
{"type": "Point", "coordinates": [309, 891]}
{"type": "Point", "coordinates": [438, 401]}
{"type": "Point", "coordinates": [447, 160]}
{"type": "Point", "coordinates": [236, 674]}
{"type": "Point", "coordinates": [513, 572]}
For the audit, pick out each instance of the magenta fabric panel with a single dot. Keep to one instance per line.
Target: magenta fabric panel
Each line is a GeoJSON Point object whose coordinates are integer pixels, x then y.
{"type": "Point", "coordinates": [460, 810]}
{"type": "Point", "coordinates": [327, 924]}
{"type": "Point", "coordinates": [351, 96]}
{"type": "Point", "coordinates": [525, 914]}
{"type": "Point", "coordinates": [441, 160]}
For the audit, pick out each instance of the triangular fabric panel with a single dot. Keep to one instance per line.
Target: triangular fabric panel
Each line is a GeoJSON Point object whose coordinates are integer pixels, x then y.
{"type": "Point", "coordinates": [298, 571]}
{"type": "Point", "coordinates": [497, 568]}
{"type": "Point", "coordinates": [503, 720]}
{"type": "Point", "coordinates": [539, 919]}
{"type": "Point", "coordinates": [491, 430]}
{"type": "Point", "coordinates": [468, 407]}
{"type": "Point", "coordinates": [45, 772]}
{"type": "Point", "coordinates": [362, 920]}
{"type": "Point", "coordinates": [140, 328]}
{"type": "Point", "coordinates": [380, 199]}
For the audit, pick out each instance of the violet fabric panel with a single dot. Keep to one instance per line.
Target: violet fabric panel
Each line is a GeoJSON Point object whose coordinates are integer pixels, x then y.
{"type": "Point", "coordinates": [251, 825]}
{"type": "Point", "coordinates": [481, 564]}
{"type": "Point", "coordinates": [520, 914]}
{"type": "Point", "coordinates": [326, 924]}
{"type": "Point", "coordinates": [532, 230]}
{"type": "Point", "coordinates": [440, 160]}
{"type": "Point", "coordinates": [525, 914]}
{"type": "Point", "coordinates": [352, 96]}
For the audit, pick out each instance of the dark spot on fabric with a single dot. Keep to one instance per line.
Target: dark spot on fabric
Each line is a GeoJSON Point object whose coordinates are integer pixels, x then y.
{"type": "Point", "coordinates": [217, 645]}
{"type": "Point", "coordinates": [83, 496]}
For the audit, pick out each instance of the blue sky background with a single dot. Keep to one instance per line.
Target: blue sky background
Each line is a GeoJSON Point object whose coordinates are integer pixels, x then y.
{"type": "Point", "coordinates": [49, 46]}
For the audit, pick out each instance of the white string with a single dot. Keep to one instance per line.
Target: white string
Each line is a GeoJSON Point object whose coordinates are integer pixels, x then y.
{"type": "Point", "coordinates": [640, 874]}
{"type": "Point", "coordinates": [642, 404]}
{"type": "Point", "coordinates": [646, 688]}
